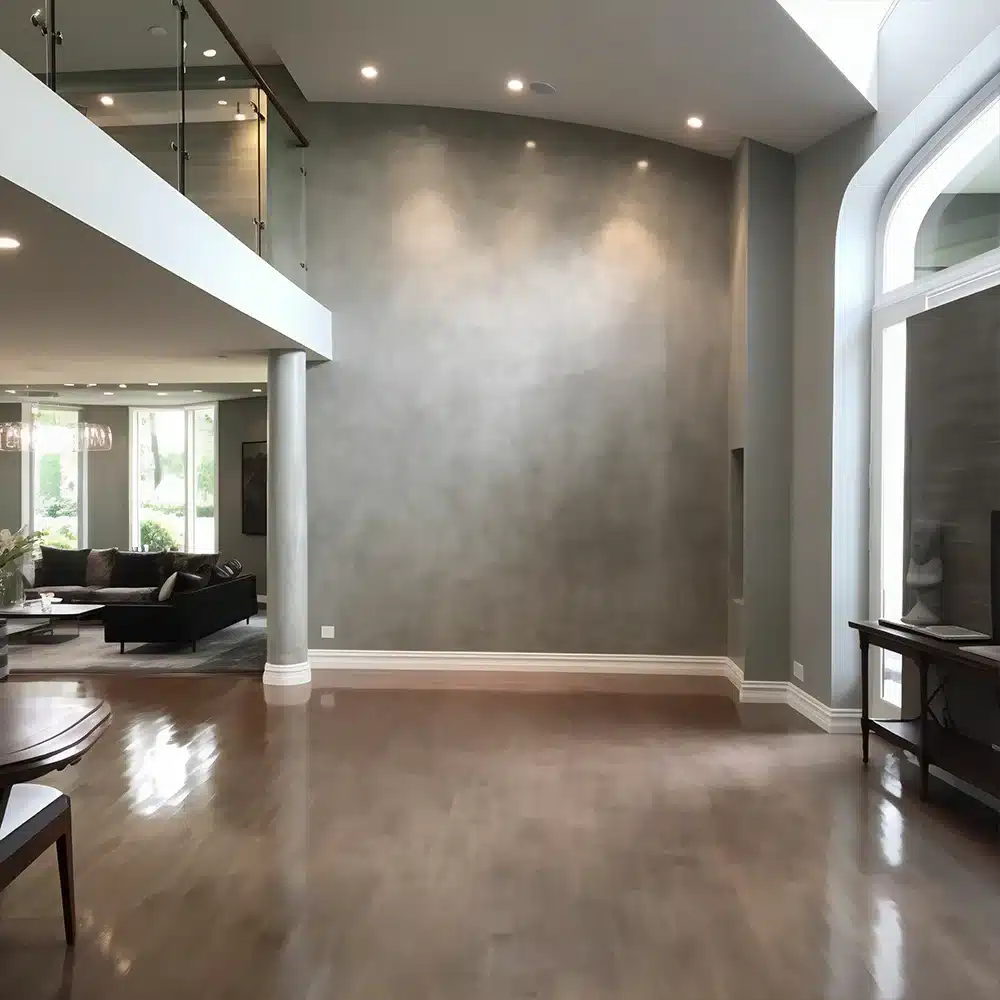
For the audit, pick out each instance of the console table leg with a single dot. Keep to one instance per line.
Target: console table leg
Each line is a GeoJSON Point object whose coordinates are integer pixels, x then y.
{"type": "Point", "coordinates": [925, 767]}
{"type": "Point", "coordinates": [865, 714]}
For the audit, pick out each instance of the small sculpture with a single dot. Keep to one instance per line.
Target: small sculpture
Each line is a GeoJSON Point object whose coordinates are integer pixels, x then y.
{"type": "Point", "coordinates": [924, 573]}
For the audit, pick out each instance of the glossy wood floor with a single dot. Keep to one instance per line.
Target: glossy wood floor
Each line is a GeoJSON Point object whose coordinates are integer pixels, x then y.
{"type": "Point", "coordinates": [443, 846]}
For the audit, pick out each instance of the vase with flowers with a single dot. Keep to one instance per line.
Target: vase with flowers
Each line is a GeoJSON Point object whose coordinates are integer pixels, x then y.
{"type": "Point", "coordinates": [15, 546]}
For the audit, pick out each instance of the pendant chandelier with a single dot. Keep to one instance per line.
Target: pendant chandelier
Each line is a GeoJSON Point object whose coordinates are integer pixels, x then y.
{"type": "Point", "coordinates": [23, 435]}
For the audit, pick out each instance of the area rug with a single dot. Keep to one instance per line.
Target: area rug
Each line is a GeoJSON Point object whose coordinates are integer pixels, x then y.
{"type": "Point", "coordinates": [239, 649]}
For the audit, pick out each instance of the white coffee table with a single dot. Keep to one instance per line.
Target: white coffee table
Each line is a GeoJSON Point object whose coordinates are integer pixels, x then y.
{"type": "Point", "coordinates": [32, 610]}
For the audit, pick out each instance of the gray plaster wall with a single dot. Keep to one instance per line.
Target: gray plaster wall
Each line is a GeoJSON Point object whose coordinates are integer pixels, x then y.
{"type": "Point", "coordinates": [239, 420]}
{"type": "Point", "coordinates": [523, 444]}
{"type": "Point", "coordinates": [934, 55]}
{"type": "Point", "coordinates": [768, 412]}
{"type": "Point", "coordinates": [107, 481]}
{"type": "Point", "coordinates": [10, 475]}
{"type": "Point", "coordinates": [736, 641]}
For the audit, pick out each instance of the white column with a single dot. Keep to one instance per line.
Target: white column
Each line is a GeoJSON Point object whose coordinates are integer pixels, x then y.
{"type": "Point", "coordinates": [287, 560]}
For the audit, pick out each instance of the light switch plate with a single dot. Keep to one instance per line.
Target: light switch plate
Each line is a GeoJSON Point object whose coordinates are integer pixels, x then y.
{"type": "Point", "coordinates": [798, 671]}
{"type": "Point", "coordinates": [327, 632]}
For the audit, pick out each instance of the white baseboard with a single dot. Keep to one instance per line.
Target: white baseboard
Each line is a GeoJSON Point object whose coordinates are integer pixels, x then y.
{"type": "Point", "coordinates": [384, 664]}
{"type": "Point", "coordinates": [287, 674]}
{"type": "Point", "coordinates": [830, 720]}
{"type": "Point", "coordinates": [546, 663]}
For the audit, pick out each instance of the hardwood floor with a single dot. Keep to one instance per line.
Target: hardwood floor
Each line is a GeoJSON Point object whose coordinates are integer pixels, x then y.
{"type": "Point", "coordinates": [463, 846]}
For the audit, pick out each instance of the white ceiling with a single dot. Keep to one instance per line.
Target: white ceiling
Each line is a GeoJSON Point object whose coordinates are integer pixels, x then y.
{"type": "Point", "coordinates": [640, 66]}
{"type": "Point", "coordinates": [79, 307]}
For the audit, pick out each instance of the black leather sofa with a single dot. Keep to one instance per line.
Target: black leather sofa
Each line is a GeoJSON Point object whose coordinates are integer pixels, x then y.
{"type": "Point", "coordinates": [186, 617]}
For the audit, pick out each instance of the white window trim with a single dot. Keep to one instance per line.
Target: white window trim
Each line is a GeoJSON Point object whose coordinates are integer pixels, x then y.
{"type": "Point", "coordinates": [190, 495]}
{"type": "Point", "coordinates": [894, 305]}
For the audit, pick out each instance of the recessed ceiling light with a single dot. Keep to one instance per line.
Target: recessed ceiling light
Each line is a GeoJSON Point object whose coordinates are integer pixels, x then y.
{"type": "Point", "coordinates": [9, 243]}
{"type": "Point", "coordinates": [107, 100]}
{"type": "Point", "coordinates": [69, 385]}
{"type": "Point", "coordinates": [222, 79]}
{"type": "Point", "coordinates": [258, 390]}
{"type": "Point", "coordinates": [210, 53]}
{"type": "Point", "coordinates": [369, 72]}
{"type": "Point", "coordinates": [91, 385]}
{"type": "Point", "coordinates": [514, 85]}
{"type": "Point", "coordinates": [109, 394]}
{"type": "Point", "coordinates": [154, 384]}
{"type": "Point", "coordinates": [158, 30]}
{"type": "Point", "coordinates": [541, 88]}
{"type": "Point", "coordinates": [122, 385]}
{"type": "Point", "coordinates": [161, 394]}
{"type": "Point", "coordinates": [223, 103]}
{"type": "Point", "coordinates": [197, 390]}
{"type": "Point", "coordinates": [695, 122]}
{"type": "Point", "coordinates": [13, 392]}
{"type": "Point", "coordinates": [642, 164]}
{"type": "Point", "coordinates": [530, 144]}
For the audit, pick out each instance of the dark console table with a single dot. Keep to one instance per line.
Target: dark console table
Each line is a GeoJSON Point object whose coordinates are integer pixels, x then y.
{"type": "Point", "coordinates": [933, 744]}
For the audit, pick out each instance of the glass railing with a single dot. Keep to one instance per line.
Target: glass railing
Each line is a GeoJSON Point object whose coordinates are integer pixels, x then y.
{"type": "Point", "coordinates": [169, 81]}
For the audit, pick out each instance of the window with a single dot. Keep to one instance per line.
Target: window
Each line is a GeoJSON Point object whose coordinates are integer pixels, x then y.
{"type": "Point", "coordinates": [173, 478]}
{"type": "Point", "coordinates": [56, 474]}
{"type": "Point", "coordinates": [940, 243]}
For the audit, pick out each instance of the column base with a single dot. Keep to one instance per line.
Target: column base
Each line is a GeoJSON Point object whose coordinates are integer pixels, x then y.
{"type": "Point", "coordinates": [287, 674]}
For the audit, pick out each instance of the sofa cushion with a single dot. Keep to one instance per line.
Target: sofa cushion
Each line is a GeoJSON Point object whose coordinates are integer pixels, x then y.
{"type": "Point", "coordinates": [194, 562]}
{"type": "Point", "coordinates": [62, 567]}
{"type": "Point", "coordinates": [100, 564]}
{"type": "Point", "coordinates": [137, 569]}
{"type": "Point", "coordinates": [72, 595]}
{"type": "Point", "coordinates": [125, 595]}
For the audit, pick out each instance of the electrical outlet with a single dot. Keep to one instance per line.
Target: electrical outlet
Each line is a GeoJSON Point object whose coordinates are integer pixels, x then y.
{"type": "Point", "coordinates": [798, 671]}
{"type": "Point", "coordinates": [327, 632]}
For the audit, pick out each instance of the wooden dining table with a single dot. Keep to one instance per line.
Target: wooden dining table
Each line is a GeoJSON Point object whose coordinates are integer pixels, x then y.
{"type": "Point", "coordinates": [40, 734]}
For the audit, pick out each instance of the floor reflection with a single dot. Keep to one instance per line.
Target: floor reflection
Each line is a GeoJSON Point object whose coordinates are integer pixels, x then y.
{"type": "Point", "coordinates": [162, 770]}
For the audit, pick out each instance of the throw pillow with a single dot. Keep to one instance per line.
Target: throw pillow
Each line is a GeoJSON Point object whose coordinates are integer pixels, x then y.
{"type": "Point", "coordinates": [137, 569]}
{"type": "Point", "coordinates": [187, 582]}
{"type": "Point", "coordinates": [167, 590]}
{"type": "Point", "coordinates": [219, 574]}
{"type": "Point", "coordinates": [100, 563]}
{"type": "Point", "coordinates": [234, 566]}
{"type": "Point", "coordinates": [64, 567]}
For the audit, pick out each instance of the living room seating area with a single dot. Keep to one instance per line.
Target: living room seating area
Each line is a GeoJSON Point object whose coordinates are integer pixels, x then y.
{"type": "Point", "coordinates": [144, 597]}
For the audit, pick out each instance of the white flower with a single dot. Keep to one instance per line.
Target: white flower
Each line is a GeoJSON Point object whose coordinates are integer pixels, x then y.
{"type": "Point", "coordinates": [7, 539]}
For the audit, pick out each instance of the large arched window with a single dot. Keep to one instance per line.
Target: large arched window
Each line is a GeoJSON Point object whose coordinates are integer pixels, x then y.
{"type": "Point", "coordinates": [940, 244]}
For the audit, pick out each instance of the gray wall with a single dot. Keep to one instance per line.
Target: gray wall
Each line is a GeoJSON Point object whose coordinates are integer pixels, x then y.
{"type": "Point", "coordinates": [523, 443]}
{"type": "Point", "coordinates": [107, 481]}
{"type": "Point", "coordinates": [934, 54]}
{"type": "Point", "coordinates": [736, 641]}
{"type": "Point", "coordinates": [768, 411]}
{"type": "Point", "coordinates": [10, 475]}
{"type": "Point", "coordinates": [239, 420]}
